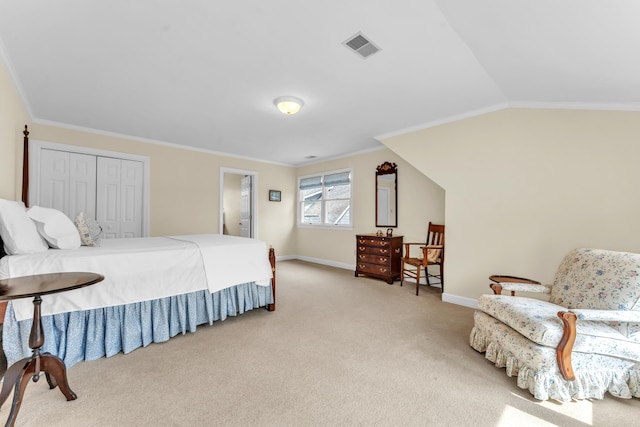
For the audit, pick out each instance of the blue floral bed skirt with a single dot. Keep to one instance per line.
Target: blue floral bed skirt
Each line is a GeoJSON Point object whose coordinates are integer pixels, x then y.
{"type": "Point", "coordinates": [89, 335]}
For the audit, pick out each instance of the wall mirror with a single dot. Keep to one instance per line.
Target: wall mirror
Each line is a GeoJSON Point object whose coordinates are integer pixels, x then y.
{"type": "Point", "coordinates": [387, 195]}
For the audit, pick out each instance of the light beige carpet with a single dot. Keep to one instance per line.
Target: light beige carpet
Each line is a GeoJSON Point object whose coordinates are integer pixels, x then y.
{"type": "Point", "coordinates": [338, 351]}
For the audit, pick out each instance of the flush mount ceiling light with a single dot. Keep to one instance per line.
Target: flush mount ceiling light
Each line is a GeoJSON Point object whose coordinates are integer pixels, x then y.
{"type": "Point", "coordinates": [288, 104]}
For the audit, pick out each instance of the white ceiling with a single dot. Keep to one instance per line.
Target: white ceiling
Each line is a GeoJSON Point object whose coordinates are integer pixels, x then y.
{"type": "Point", "coordinates": [204, 73]}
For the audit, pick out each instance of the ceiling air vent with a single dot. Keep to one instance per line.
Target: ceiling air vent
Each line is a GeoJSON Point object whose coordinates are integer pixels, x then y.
{"type": "Point", "coordinates": [361, 45]}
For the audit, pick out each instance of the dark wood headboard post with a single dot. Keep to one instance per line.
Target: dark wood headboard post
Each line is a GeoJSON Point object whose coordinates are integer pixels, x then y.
{"type": "Point", "coordinates": [25, 167]}
{"type": "Point", "coordinates": [25, 200]}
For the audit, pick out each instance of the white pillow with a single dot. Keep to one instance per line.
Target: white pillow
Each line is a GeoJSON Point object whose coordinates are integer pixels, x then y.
{"type": "Point", "coordinates": [18, 232]}
{"type": "Point", "coordinates": [56, 228]}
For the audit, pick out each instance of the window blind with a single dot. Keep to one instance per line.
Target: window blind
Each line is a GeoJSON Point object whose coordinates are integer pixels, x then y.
{"type": "Point", "coordinates": [341, 178]}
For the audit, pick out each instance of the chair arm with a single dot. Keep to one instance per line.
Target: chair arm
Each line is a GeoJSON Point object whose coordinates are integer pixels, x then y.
{"type": "Point", "coordinates": [519, 287]}
{"type": "Point", "coordinates": [564, 348]}
{"type": "Point", "coordinates": [607, 315]}
{"type": "Point", "coordinates": [407, 247]}
{"type": "Point", "coordinates": [525, 287]}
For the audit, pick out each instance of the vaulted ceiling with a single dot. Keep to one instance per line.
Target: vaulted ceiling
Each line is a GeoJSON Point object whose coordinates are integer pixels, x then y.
{"type": "Point", "coordinates": [204, 73]}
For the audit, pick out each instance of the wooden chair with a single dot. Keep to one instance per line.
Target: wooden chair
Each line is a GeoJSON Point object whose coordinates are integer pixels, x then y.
{"type": "Point", "coordinates": [432, 254]}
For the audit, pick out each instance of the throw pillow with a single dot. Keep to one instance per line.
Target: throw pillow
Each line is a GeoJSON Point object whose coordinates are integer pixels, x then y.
{"type": "Point", "coordinates": [433, 253]}
{"type": "Point", "coordinates": [90, 231]}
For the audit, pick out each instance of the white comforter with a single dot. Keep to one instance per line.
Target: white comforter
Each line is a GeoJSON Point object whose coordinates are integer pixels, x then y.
{"type": "Point", "coordinates": [143, 269]}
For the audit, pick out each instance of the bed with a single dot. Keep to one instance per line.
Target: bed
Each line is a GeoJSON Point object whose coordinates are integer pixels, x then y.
{"type": "Point", "coordinates": [155, 288]}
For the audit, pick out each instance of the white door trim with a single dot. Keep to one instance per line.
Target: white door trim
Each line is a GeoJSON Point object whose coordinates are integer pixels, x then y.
{"type": "Point", "coordinates": [34, 170]}
{"type": "Point", "coordinates": [254, 211]}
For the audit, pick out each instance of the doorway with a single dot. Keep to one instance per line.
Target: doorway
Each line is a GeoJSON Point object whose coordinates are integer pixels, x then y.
{"type": "Point", "coordinates": [238, 202]}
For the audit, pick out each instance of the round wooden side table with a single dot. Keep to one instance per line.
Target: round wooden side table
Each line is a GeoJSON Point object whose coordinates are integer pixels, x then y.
{"type": "Point", "coordinates": [18, 375]}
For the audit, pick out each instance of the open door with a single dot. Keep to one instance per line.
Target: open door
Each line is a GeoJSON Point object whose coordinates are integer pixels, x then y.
{"type": "Point", "coordinates": [245, 206]}
{"type": "Point", "coordinates": [237, 202]}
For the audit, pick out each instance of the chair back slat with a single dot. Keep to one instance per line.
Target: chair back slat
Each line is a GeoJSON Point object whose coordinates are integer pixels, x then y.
{"type": "Point", "coordinates": [435, 234]}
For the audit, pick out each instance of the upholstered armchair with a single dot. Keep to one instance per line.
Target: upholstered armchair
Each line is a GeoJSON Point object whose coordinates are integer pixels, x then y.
{"type": "Point", "coordinates": [582, 342]}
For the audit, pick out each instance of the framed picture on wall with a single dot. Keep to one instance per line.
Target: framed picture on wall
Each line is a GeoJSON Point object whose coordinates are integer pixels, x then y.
{"type": "Point", "coordinates": [274, 195]}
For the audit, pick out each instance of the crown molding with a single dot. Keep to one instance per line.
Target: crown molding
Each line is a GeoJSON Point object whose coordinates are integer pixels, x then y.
{"type": "Point", "coordinates": [150, 141]}
{"type": "Point", "coordinates": [444, 120]}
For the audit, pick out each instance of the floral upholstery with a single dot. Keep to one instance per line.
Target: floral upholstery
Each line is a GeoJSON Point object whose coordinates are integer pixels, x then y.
{"type": "Point", "coordinates": [522, 334]}
{"type": "Point", "coordinates": [538, 321]}
{"type": "Point", "coordinates": [537, 370]}
{"type": "Point", "coordinates": [598, 279]}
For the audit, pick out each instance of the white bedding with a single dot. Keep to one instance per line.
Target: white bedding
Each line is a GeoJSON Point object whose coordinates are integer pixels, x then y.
{"type": "Point", "coordinates": [143, 269]}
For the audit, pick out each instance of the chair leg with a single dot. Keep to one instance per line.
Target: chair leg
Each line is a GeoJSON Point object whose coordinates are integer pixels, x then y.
{"type": "Point", "coordinates": [442, 277]}
{"type": "Point", "coordinates": [401, 271]}
{"type": "Point", "coordinates": [426, 274]}
{"type": "Point", "coordinates": [418, 280]}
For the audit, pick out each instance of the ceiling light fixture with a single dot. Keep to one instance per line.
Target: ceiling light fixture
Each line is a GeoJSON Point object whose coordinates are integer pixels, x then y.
{"type": "Point", "coordinates": [288, 104]}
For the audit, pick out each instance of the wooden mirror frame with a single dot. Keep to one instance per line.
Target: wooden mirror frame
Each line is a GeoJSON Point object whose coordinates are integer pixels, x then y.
{"type": "Point", "coordinates": [383, 173]}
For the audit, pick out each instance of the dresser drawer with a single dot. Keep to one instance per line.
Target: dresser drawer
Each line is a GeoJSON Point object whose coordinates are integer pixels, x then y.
{"type": "Point", "coordinates": [363, 249]}
{"type": "Point", "coordinates": [375, 269]}
{"type": "Point", "coordinates": [374, 259]}
{"type": "Point", "coordinates": [377, 242]}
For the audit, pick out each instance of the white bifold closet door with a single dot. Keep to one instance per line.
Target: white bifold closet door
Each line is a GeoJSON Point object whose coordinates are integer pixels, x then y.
{"type": "Point", "coordinates": [119, 197]}
{"type": "Point", "coordinates": [105, 188]}
{"type": "Point", "coordinates": [68, 182]}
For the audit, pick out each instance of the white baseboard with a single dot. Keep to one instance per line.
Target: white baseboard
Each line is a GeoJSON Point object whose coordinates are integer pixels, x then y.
{"type": "Point", "coordinates": [286, 257]}
{"type": "Point", "coordinates": [450, 298]}
{"type": "Point", "coordinates": [458, 300]}
{"type": "Point", "coordinates": [326, 262]}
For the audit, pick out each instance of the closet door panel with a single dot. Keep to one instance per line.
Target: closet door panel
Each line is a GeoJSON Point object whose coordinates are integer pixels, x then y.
{"type": "Point", "coordinates": [119, 200]}
{"type": "Point", "coordinates": [54, 180]}
{"type": "Point", "coordinates": [131, 181]}
{"type": "Point", "coordinates": [82, 188]}
{"type": "Point", "coordinates": [108, 196]}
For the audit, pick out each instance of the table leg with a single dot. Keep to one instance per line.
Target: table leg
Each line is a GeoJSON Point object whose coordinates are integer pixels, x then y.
{"type": "Point", "coordinates": [13, 376]}
{"type": "Point", "coordinates": [56, 373]}
{"type": "Point", "coordinates": [19, 374]}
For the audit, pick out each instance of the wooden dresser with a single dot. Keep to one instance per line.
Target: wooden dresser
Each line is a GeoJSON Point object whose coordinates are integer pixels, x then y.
{"type": "Point", "coordinates": [378, 256]}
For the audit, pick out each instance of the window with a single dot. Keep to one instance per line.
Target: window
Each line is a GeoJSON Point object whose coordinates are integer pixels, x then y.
{"type": "Point", "coordinates": [325, 200]}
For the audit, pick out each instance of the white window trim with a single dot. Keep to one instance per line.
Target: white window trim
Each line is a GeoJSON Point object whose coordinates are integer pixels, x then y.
{"type": "Point", "coordinates": [324, 226]}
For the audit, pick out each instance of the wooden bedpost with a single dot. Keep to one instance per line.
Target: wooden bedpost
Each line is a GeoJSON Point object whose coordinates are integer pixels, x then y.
{"type": "Point", "coordinates": [272, 261]}
{"type": "Point", "coordinates": [25, 167]}
{"type": "Point", "coordinates": [25, 200]}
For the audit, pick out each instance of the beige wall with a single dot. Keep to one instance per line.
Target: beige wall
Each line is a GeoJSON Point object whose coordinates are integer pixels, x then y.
{"type": "Point", "coordinates": [13, 117]}
{"type": "Point", "coordinates": [184, 184]}
{"type": "Point", "coordinates": [420, 200]}
{"type": "Point", "coordinates": [524, 186]}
